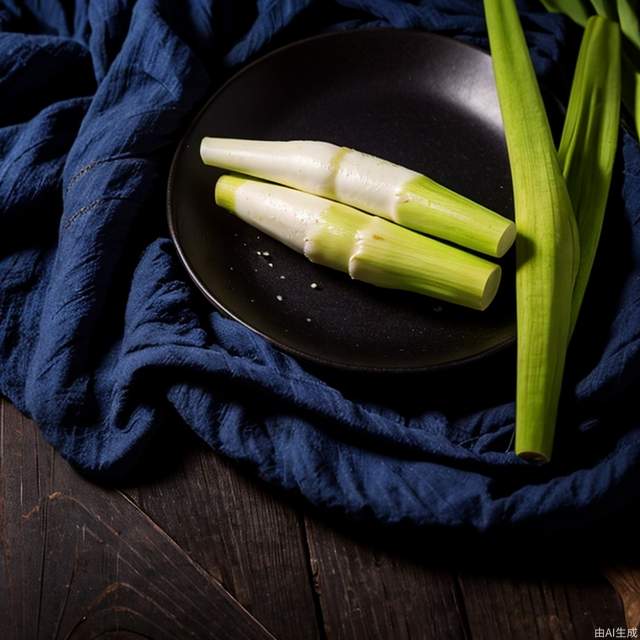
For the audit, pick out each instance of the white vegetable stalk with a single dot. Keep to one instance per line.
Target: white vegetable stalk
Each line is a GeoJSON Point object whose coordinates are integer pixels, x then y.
{"type": "Point", "coordinates": [366, 247]}
{"type": "Point", "coordinates": [368, 183]}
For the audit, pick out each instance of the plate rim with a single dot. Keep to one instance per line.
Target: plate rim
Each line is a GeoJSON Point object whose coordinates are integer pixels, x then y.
{"type": "Point", "coordinates": [312, 358]}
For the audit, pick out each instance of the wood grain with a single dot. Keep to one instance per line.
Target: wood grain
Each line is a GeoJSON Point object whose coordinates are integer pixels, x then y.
{"type": "Point", "coordinates": [387, 584]}
{"type": "Point", "coordinates": [81, 562]}
{"type": "Point", "coordinates": [369, 589]}
{"type": "Point", "coordinates": [626, 581]}
{"type": "Point", "coordinates": [507, 601]}
{"type": "Point", "coordinates": [240, 532]}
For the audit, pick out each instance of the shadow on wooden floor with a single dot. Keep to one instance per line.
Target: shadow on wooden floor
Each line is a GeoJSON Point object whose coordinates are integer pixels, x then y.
{"type": "Point", "coordinates": [540, 551]}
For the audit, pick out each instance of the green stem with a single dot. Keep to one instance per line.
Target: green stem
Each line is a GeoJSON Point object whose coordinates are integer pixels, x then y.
{"type": "Point", "coordinates": [546, 246]}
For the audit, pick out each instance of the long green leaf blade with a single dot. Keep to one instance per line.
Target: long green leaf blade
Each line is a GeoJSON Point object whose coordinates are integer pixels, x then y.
{"type": "Point", "coordinates": [629, 14]}
{"type": "Point", "coordinates": [606, 9]}
{"type": "Point", "coordinates": [629, 17]}
{"type": "Point", "coordinates": [578, 10]}
{"type": "Point", "coordinates": [631, 91]}
{"type": "Point", "coordinates": [589, 140]}
{"type": "Point", "coordinates": [546, 246]}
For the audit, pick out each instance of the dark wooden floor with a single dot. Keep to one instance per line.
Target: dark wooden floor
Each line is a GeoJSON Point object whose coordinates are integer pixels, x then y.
{"type": "Point", "coordinates": [205, 551]}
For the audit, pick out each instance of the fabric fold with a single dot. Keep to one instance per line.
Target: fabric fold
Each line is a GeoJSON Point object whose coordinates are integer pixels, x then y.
{"type": "Point", "coordinates": [105, 343]}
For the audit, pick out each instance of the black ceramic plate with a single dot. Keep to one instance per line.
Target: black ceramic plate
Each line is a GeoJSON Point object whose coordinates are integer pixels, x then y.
{"type": "Point", "coordinates": [417, 99]}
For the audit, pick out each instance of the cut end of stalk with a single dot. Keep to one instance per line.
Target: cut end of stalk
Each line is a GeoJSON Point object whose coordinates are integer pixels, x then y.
{"type": "Point", "coordinates": [533, 456]}
{"type": "Point", "coordinates": [203, 146]}
{"type": "Point", "coordinates": [506, 240]}
{"type": "Point", "coordinates": [490, 288]}
{"type": "Point", "coordinates": [533, 444]}
{"type": "Point", "coordinates": [226, 191]}
{"type": "Point", "coordinates": [225, 153]}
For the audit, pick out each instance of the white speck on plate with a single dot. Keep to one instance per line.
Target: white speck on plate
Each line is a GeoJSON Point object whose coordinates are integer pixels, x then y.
{"type": "Point", "coordinates": [308, 319]}
{"type": "Point", "coordinates": [314, 285]}
{"type": "Point", "coordinates": [279, 298]}
{"type": "Point", "coordinates": [271, 264]}
{"type": "Point", "coordinates": [259, 253]}
{"type": "Point", "coordinates": [266, 254]}
{"type": "Point", "coordinates": [283, 277]}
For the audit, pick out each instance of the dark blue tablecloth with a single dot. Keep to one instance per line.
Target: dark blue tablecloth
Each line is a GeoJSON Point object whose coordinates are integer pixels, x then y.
{"type": "Point", "coordinates": [105, 343]}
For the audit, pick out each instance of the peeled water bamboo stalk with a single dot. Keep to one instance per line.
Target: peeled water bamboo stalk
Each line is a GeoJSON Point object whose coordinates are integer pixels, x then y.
{"type": "Point", "coordinates": [368, 183]}
{"type": "Point", "coordinates": [366, 247]}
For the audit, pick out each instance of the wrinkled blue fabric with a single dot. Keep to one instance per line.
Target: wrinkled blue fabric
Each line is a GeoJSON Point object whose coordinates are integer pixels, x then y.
{"type": "Point", "coordinates": [105, 343]}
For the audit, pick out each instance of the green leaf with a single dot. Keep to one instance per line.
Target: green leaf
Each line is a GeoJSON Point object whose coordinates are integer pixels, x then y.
{"type": "Point", "coordinates": [547, 244]}
{"type": "Point", "coordinates": [578, 10]}
{"type": "Point", "coordinates": [589, 139]}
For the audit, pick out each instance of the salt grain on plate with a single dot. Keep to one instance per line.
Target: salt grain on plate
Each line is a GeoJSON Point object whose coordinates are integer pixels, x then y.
{"type": "Point", "coordinates": [314, 285]}
{"type": "Point", "coordinates": [279, 298]}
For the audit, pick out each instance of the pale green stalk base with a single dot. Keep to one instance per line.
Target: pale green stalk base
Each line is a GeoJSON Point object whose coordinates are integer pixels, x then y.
{"type": "Point", "coordinates": [381, 253]}
{"type": "Point", "coordinates": [589, 140]}
{"type": "Point", "coordinates": [431, 208]}
{"type": "Point", "coordinates": [546, 246]}
{"type": "Point", "coordinates": [372, 249]}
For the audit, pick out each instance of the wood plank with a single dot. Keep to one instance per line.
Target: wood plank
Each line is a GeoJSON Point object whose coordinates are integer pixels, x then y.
{"type": "Point", "coordinates": [557, 598]}
{"type": "Point", "coordinates": [626, 581]}
{"type": "Point", "coordinates": [240, 531]}
{"type": "Point", "coordinates": [25, 478]}
{"type": "Point", "coordinates": [106, 569]}
{"type": "Point", "coordinates": [369, 588]}
{"type": "Point", "coordinates": [373, 582]}
{"type": "Point", "coordinates": [79, 561]}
